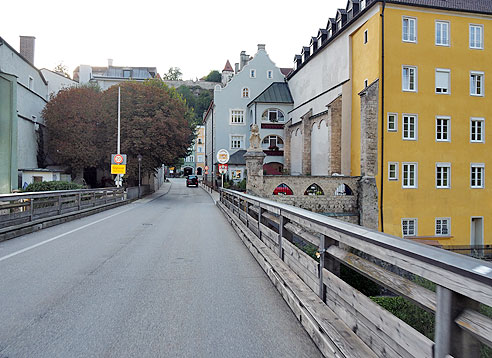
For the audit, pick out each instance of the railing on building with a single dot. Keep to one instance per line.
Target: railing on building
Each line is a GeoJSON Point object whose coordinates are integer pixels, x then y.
{"type": "Point", "coordinates": [462, 283]}
{"type": "Point", "coordinates": [25, 207]}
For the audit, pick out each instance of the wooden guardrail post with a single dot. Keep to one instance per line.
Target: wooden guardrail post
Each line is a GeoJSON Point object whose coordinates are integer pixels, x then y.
{"type": "Point", "coordinates": [322, 252]}
{"type": "Point", "coordinates": [260, 214]}
{"type": "Point", "coordinates": [280, 235]}
{"type": "Point", "coordinates": [450, 339]}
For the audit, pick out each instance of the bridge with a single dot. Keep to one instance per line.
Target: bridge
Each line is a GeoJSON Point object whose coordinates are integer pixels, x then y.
{"type": "Point", "coordinates": [182, 273]}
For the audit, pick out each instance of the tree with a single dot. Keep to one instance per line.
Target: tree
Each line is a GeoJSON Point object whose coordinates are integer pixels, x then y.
{"type": "Point", "coordinates": [213, 76]}
{"type": "Point", "coordinates": [62, 70]}
{"type": "Point", "coordinates": [174, 74]}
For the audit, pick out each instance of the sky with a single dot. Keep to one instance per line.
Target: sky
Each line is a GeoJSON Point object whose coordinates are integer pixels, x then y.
{"type": "Point", "coordinates": [196, 36]}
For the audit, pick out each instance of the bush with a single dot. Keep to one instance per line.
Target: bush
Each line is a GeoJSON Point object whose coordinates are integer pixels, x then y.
{"type": "Point", "coordinates": [52, 186]}
{"type": "Point", "coordinates": [242, 185]}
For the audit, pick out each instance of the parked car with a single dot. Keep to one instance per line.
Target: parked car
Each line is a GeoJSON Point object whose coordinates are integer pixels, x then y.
{"type": "Point", "coordinates": [191, 180]}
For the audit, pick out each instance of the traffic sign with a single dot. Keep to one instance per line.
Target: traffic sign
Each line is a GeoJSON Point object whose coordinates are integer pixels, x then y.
{"type": "Point", "coordinates": [222, 156]}
{"type": "Point", "coordinates": [118, 169]}
{"type": "Point", "coordinates": [206, 167]}
{"type": "Point", "coordinates": [118, 159]}
{"type": "Point", "coordinates": [206, 172]}
{"type": "Point", "coordinates": [223, 168]}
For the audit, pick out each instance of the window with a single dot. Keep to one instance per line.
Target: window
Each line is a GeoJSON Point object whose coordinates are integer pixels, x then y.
{"type": "Point", "coordinates": [237, 116]}
{"type": "Point", "coordinates": [409, 30]}
{"type": "Point", "coordinates": [477, 127]}
{"type": "Point", "coordinates": [252, 73]}
{"type": "Point", "coordinates": [199, 140]}
{"type": "Point", "coordinates": [477, 175]}
{"type": "Point", "coordinates": [339, 24]}
{"type": "Point", "coordinates": [393, 171]}
{"type": "Point", "coordinates": [443, 129]}
{"type": "Point", "coordinates": [392, 122]}
{"type": "Point", "coordinates": [272, 115]}
{"type": "Point", "coordinates": [272, 142]}
{"type": "Point", "coordinates": [237, 141]}
{"type": "Point", "coordinates": [245, 92]}
{"type": "Point", "coordinates": [366, 83]}
{"type": "Point", "coordinates": [409, 171]}
{"type": "Point", "coordinates": [199, 149]}
{"type": "Point", "coordinates": [362, 4]}
{"type": "Point", "coordinates": [236, 174]}
{"type": "Point", "coordinates": [442, 33]}
{"type": "Point", "coordinates": [365, 36]}
{"type": "Point", "coordinates": [409, 130]}
{"type": "Point", "coordinates": [443, 226]}
{"type": "Point", "coordinates": [409, 227]}
{"type": "Point", "coordinates": [476, 83]}
{"type": "Point", "coordinates": [409, 79]}
{"type": "Point", "coordinates": [442, 81]}
{"type": "Point", "coordinates": [200, 159]}
{"type": "Point", "coordinates": [30, 83]}
{"type": "Point", "coordinates": [269, 74]}
{"type": "Point", "coordinates": [126, 73]}
{"type": "Point", "coordinates": [443, 175]}
{"type": "Point", "coordinates": [476, 36]}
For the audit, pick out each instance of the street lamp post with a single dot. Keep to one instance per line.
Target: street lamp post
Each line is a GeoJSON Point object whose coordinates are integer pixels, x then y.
{"type": "Point", "coordinates": [139, 162]}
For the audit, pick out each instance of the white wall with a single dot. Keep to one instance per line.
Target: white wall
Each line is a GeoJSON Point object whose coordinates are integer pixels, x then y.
{"type": "Point", "coordinates": [56, 82]}
{"type": "Point", "coordinates": [319, 144]}
{"type": "Point", "coordinates": [296, 145]}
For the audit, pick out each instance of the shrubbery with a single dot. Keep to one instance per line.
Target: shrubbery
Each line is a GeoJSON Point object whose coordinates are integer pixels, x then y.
{"type": "Point", "coordinates": [52, 186]}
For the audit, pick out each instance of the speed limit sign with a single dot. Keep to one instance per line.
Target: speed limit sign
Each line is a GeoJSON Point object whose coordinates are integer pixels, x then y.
{"type": "Point", "coordinates": [118, 159]}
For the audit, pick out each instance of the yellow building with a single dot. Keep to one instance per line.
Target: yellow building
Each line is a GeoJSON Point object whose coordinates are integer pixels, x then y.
{"type": "Point", "coordinates": [414, 78]}
{"type": "Point", "coordinates": [200, 150]}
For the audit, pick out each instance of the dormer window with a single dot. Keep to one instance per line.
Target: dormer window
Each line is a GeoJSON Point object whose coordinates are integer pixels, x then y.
{"type": "Point", "coordinates": [252, 73]}
{"type": "Point", "coordinates": [362, 4]}
{"type": "Point", "coordinates": [127, 73]}
{"type": "Point", "coordinates": [339, 24]}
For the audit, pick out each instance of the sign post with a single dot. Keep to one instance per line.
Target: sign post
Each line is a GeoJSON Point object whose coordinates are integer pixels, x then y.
{"type": "Point", "coordinates": [118, 167]}
{"type": "Point", "coordinates": [223, 158]}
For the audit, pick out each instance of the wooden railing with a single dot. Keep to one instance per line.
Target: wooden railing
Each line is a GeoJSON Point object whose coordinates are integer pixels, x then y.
{"type": "Point", "coordinates": [462, 283]}
{"type": "Point", "coordinates": [24, 207]}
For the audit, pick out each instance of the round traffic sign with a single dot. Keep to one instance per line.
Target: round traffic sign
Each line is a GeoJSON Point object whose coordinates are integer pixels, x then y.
{"type": "Point", "coordinates": [206, 167]}
{"type": "Point", "coordinates": [118, 159]}
{"type": "Point", "coordinates": [222, 156]}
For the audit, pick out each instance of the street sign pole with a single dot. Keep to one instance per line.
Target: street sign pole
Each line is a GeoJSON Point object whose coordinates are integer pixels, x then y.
{"type": "Point", "coordinates": [222, 176]}
{"type": "Point", "coordinates": [118, 176]}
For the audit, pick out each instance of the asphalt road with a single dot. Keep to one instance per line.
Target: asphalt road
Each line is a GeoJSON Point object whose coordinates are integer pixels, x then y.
{"type": "Point", "coordinates": [162, 277]}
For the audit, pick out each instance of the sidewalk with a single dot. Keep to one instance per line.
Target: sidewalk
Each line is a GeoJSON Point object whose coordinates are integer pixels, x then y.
{"type": "Point", "coordinates": [214, 194]}
{"type": "Point", "coordinates": [163, 190]}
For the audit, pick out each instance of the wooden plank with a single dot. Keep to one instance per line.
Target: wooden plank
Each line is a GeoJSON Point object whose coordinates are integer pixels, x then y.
{"type": "Point", "coordinates": [477, 325]}
{"type": "Point", "coordinates": [303, 234]}
{"type": "Point", "coordinates": [401, 333]}
{"type": "Point", "coordinates": [399, 285]}
{"type": "Point", "coordinates": [272, 235]}
{"type": "Point", "coordinates": [301, 257]}
{"type": "Point", "coordinates": [304, 274]}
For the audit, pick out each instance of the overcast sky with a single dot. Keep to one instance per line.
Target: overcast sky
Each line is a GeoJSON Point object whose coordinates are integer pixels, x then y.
{"type": "Point", "coordinates": [194, 35]}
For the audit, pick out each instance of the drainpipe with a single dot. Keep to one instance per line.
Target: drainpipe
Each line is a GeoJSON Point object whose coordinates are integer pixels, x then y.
{"type": "Point", "coordinates": [382, 116]}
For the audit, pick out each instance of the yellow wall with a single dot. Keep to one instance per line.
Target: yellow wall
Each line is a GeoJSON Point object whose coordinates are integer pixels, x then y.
{"type": "Point", "coordinates": [200, 135]}
{"type": "Point", "coordinates": [425, 203]}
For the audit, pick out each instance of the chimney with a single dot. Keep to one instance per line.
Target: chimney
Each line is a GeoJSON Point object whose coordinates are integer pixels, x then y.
{"type": "Point", "coordinates": [236, 68]}
{"type": "Point", "coordinates": [27, 47]}
{"type": "Point", "coordinates": [110, 62]}
{"type": "Point", "coordinates": [261, 47]}
{"type": "Point", "coordinates": [243, 60]}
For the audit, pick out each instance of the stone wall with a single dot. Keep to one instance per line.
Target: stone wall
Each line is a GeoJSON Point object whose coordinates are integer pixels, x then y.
{"type": "Point", "coordinates": [369, 102]}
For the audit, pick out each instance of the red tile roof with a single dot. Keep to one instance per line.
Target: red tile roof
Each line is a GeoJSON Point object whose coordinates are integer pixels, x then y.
{"type": "Point", "coordinates": [286, 71]}
{"type": "Point", "coordinates": [228, 67]}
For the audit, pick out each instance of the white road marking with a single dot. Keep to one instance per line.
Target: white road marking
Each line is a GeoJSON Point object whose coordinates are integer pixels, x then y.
{"type": "Point", "coordinates": [60, 236]}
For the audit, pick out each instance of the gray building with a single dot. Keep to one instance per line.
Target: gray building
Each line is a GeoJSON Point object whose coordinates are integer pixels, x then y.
{"type": "Point", "coordinates": [238, 104]}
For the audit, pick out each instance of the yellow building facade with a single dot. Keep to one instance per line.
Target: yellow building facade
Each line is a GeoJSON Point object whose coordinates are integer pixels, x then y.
{"type": "Point", "coordinates": [434, 144]}
{"type": "Point", "coordinates": [200, 150]}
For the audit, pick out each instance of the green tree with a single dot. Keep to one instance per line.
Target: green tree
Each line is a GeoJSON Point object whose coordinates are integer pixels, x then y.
{"type": "Point", "coordinates": [62, 69]}
{"type": "Point", "coordinates": [173, 74]}
{"type": "Point", "coordinates": [213, 76]}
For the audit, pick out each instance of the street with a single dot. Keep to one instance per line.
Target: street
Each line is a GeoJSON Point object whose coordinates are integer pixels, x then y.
{"type": "Point", "coordinates": [165, 276]}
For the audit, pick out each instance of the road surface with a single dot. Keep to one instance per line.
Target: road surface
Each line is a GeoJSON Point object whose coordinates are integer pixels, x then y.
{"type": "Point", "coordinates": [161, 277]}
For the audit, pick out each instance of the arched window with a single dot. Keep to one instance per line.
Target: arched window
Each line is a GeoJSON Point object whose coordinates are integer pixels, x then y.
{"type": "Point", "coordinates": [283, 189]}
{"type": "Point", "coordinates": [272, 142]}
{"type": "Point", "coordinates": [273, 115]}
{"type": "Point", "coordinates": [314, 189]}
{"type": "Point", "coordinates": [344, 189]}
{"type": "Point", "coordinates": [245, 92]}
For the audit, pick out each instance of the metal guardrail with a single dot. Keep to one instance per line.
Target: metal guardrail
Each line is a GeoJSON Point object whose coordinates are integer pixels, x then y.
{"type": "Point", "coordinates": [462, 282]}
{"type": "Point", "coordinates": [21, 208]}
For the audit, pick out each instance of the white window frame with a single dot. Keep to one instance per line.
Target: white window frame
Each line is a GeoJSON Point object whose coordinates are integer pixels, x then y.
{"type": "Point", "coordinates": [416, 130]}
{"type": "Point", "coordinates": [252, 73]}
{"type": "Point", "coordinates": [482, 183]}
{"type": "Point", "coordinates": [482, 127]}
{"type": "Point", "coordinates": [231, 114]}
{"type": "Point", "coordinates": [415, 227]}
{"type": "Point", "coordinates": [448, 132]}
{"type": "Point", "coordinates": [448, 41]}
{"type": "Point", "coordinates": [416, 175]}
{"type": "Point", "coordinates": [396, 165]}
{"type": "Point", "coordinates": [480, 26]}
{"type": "Point", "coordinates": [245, 92]}
{"type": "Point", "coordinates": [241, 141]}
{"type": "Point", "coordinates": [415, 80]}
{"type": "Point", "coordinates": [362, 4]}
{"type": "Point", "coordinates": [448, 227]}
{"type": "Point", "coordinates": [388, 122]}
{"type": "Point", "coordinates": [443, 70]}
{"type": "Point", "coordinates": [366, 36]}
{"type": "Point", "coordinates": [482, 84]}
{"type": "Point", "coordinates": [269, 74]}
{"type": "Point", "coordinates": [448, 169]}
{"type": "Point", "coordinates": [415, 28]}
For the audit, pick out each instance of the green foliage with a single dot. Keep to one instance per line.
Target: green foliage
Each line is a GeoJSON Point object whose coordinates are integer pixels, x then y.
{"type": "Point", "coordinates": [242, 184]}
{"type": "Point", "coordinates": [410, 313]}
{"type": "Point", "coordinates": [359, 282]}
{"type": "Point", "coordinates": [52, 185]}
{"type": "Point", "coordinates": [425, 283]}
{"type": "Point", "coordinates": [62, 70]}
{"type": "Point", "coordinates": [213, 76]}
{"type": "Point", "coordinates": [197, 99]}
{"type": "Point", "coordinates": [173, 74]}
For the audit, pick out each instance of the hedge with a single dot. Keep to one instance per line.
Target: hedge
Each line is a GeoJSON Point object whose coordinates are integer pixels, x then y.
{"type": "Point", "coordinates": [52, 186]}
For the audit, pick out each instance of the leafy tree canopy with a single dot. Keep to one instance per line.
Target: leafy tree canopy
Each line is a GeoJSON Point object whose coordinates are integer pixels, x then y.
{"type": "Point", "coordinates": [61, 69]}
{"type": "Point", "coordinates": [173, 74]}
{"type": "Point", "coordinates": [213, 76]}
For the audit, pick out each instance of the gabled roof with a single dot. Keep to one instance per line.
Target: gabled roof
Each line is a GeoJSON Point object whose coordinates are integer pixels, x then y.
{"type": "Point", "coordinates": [479, 6]}
{"type": "Point", "coordinates": [228, 67]}
{"type": "Point", "coordinates": [237, 158]}
{"type": "Point", "coordinates": [286, 70]}
{"type": "Point", "coordinates": [277, 92]}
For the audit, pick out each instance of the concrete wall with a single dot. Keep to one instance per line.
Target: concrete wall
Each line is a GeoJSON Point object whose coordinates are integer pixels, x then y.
{"type": "Point", "coordinates": [296, 145]}
{"type": "Point", "coordinates": [8, 133]}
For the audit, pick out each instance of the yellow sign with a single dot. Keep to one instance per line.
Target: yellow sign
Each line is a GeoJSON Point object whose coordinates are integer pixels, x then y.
{"type": "Point", "coordinates": [118, 169]}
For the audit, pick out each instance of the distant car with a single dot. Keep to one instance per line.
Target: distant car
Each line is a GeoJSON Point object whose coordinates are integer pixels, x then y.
{"type": "Point", "coordinates": [191, 180]}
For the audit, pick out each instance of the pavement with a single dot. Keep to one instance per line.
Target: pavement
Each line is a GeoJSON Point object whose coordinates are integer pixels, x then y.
{"type": "Point", "coordinates": [165, 276]}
